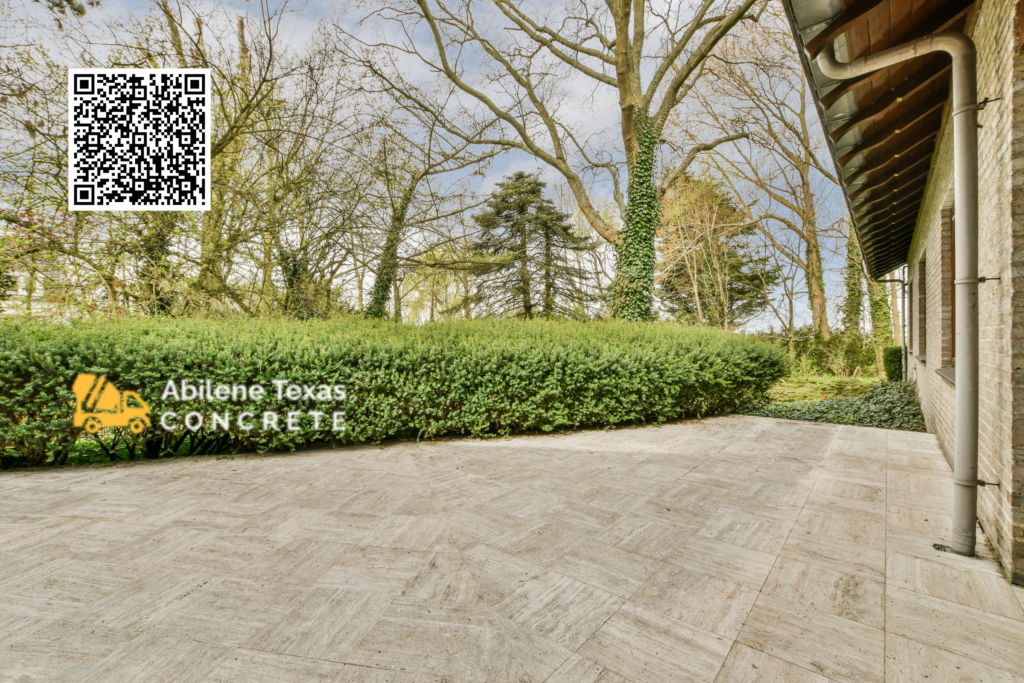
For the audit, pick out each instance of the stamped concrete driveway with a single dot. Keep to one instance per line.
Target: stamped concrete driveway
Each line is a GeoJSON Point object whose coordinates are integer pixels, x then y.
{"type": "Point", "coordinates": [732, 549]}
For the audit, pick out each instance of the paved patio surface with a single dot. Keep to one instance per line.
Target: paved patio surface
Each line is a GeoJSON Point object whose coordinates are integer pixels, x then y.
{"type": "Point", "coordinates": [734, 549]}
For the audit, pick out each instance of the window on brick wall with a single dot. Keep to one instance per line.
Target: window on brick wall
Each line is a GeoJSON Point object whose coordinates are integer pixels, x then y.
{"type": "Point", "coordinates": [910, 312]}
{"type": "Point", "coordinates": [922, 309]}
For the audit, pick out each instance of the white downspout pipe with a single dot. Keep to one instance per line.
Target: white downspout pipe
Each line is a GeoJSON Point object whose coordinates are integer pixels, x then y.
{"type": "Point", "coordinates": [965, 160]}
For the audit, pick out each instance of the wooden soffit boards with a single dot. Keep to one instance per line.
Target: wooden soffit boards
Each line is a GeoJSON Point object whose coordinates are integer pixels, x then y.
{"type": "Point", "coordinates": [881, 128]}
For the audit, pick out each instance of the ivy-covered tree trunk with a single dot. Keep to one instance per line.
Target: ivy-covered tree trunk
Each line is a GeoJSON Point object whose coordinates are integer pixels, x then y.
{"type": "Point", "coordinates": [157, 269]}
{"type": "Point", "coordinates": [881, 321]}
{"type": "Point", "coordinates": [633, 287]}
{"type": "Point", "coordinates": [881, 316]}
{"type": "Point", "coordinates": [853, 304]}
{"type": "Point", "coordinates": [387, 267]}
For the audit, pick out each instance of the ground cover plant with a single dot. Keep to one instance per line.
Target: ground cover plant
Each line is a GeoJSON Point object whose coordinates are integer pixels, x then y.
{"type": "Point", "coordinates": [454, 378]}
{"type": "Point", "coordinates": [892, 405]}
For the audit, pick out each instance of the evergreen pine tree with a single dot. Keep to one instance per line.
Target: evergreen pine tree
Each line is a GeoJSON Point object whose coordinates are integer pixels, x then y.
{"type": "Point", "coordinates": [527, 245]}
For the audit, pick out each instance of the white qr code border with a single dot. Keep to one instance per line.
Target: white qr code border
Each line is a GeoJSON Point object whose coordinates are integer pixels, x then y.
{"type": "Point", "coordinates": [73, 204]}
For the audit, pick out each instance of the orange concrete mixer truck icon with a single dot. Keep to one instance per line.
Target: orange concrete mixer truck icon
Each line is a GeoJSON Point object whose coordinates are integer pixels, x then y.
{"type": "Point", "coordinates": [98, 404]}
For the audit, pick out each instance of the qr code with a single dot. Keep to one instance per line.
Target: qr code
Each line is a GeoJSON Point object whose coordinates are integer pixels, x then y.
{"type": "Point", "coordinates": [139, 139]}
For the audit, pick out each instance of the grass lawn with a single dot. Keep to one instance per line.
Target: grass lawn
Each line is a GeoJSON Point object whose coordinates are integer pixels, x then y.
{"type": "Point", "coordinates": [811, 388]}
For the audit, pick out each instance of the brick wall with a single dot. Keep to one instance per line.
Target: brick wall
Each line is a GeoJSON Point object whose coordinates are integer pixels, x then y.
{"type": "Point", "coordinates": [1001, 304]}
{"type": "Point", "coordinates": [1013, 312]}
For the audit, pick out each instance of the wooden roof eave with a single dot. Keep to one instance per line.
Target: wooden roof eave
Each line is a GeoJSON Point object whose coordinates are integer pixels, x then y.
{"type": "Point", "coordinates": [884, 191]}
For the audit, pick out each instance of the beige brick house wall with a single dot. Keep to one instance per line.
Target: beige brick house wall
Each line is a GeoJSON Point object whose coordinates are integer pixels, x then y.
{"type": "Point", "coordinates": [1001, 305]}
{"type": "Point", "coordinates": [1012, 309]}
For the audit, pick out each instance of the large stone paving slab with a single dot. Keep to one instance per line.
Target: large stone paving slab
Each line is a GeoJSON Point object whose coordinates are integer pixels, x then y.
{"type": "Point", "coordinates": [731, 549]}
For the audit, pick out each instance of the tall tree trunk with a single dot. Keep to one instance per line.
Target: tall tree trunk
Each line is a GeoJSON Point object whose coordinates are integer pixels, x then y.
{"type": "Point", "coordinates": [271, 260]}
{"type": "Point", "coordinates": [881, 321]}
{"type": "Point", "coordinates": [210, 252]}
{"type": "Point", "coordinates": [30, 290]}
{"type": "Point", "coordinates": [881, 316]}
{"type": "Point", "coordinates": [816, 285]}
{"type": "Point", "coordinates": [156, 272]}
{"type": "Point", "coordinates": [360, 273]}
{"type": "Point", "coordinates": [524, 273]}
{"type": "Point", "coordinates": [633, 287]}
{"type": "Point", "coordinates": [172, 25]}
{"type": "Point", "coordinates": [814, 271]}
{"type": "Point", "coordinates": [549, 276]}
{"type": "Point", "coordinates": [722, 283]}
{"type": "Point", "coordinates": [791, 330]}
{"type": "Point", "coordinates": [696, 287]}
{"type": "Point", "coordinates": [894, 307]}
{"type": "Point", "coordinates": [853, 304]}
{"type": "Point", "coordinates": [397, 286]}
{"type": "Point", "coordinates": [223, 169]}
{"type": "Point", "coordinates": [388, 265]}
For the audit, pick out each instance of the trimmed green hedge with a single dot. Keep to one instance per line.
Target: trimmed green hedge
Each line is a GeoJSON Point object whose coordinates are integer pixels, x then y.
{"type": "Point", "coordinates": [893, 405]}
{"type": "Point", "coordinates": [469, 377]}
{"type": "Point", "coordinates": [892, 356]}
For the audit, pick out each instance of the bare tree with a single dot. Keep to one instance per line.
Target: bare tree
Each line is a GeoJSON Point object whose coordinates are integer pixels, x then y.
{"type": "Point", "coordinates": [286, 192]}
{"type": "Point", "coordinates": [514, 62]}
{"type": "Point", "coordinates": [709, 271]}
{"type": "Point", "coordinates": [780, 172]}
{"type": "Point", "coordinates": [414, 158]}
{"type": "Point", "coordinates": [781, 300]}
{"type": "Point", "coordinates": [427, 148]}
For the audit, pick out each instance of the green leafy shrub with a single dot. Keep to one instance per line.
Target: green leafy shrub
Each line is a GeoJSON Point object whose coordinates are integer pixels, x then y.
{"type": "Point", "coordinates": [843, 354]}
{"type": "Point", "coordinates": [466, 377]}
{"type": "Point", "coordinates": [893, 405]}
{"type": "Point", "coordinates": [892, 356]}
